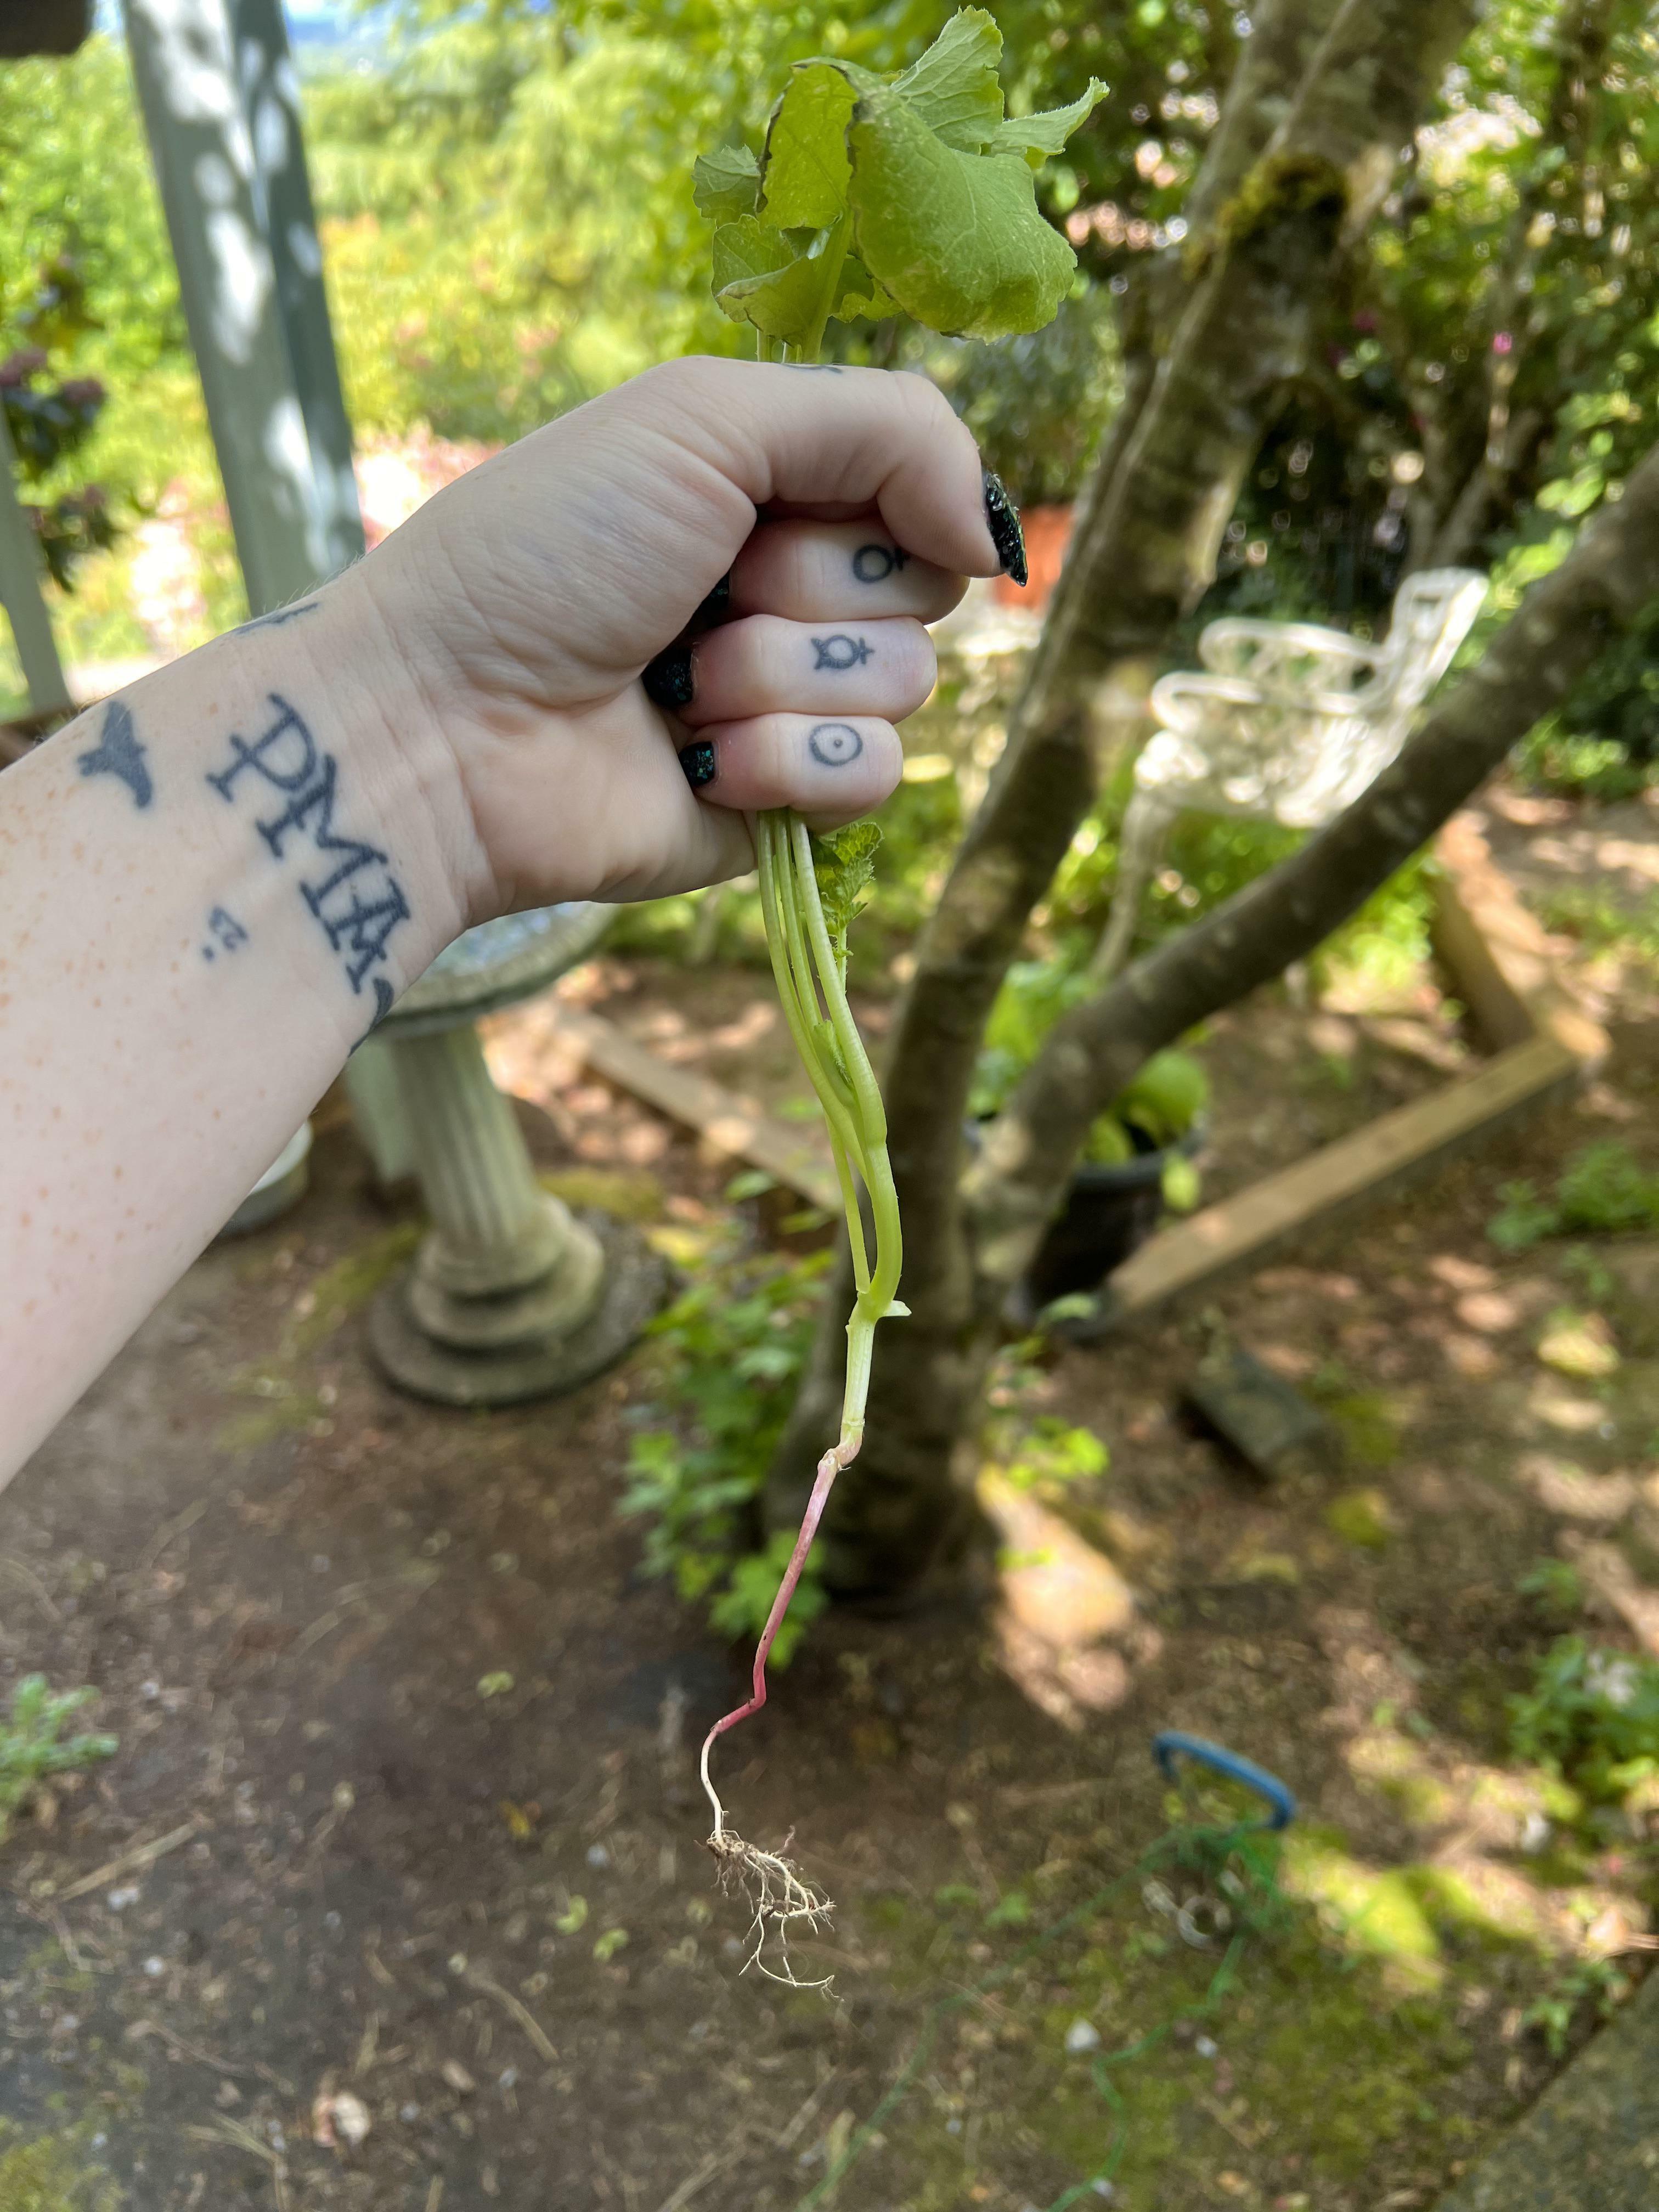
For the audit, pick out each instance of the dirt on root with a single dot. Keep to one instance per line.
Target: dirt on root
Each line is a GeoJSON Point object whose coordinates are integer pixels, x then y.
{"type": "Point", "coordinates": [405, 1825]}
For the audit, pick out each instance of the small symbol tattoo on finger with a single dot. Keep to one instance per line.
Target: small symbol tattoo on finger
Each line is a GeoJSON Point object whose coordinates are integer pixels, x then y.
{"type": "Point", "coordinates": [832, 744]}
{"type": "Point", "coordinates": [841, 651]}
{"type": "Point", "coordinates": [874, 564]}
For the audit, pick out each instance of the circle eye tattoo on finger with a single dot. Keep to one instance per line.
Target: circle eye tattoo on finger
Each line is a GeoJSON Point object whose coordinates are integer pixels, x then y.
{"type": "Point", "coordinates": [874, 564]}
{"type": "Point", "coordinates": [834, 743]}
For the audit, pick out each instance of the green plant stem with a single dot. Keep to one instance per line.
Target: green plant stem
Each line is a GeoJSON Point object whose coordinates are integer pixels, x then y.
{"type": "Point", "coordinates": [834, 258]}
{"type": "Point", "coordinates": [810, 970]}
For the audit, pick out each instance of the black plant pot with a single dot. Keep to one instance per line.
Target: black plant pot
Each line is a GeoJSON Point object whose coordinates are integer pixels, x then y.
{"type": "Point", "coordinates": [1109, 1212]}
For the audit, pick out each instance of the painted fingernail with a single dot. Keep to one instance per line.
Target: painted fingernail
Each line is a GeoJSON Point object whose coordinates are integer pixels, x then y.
{"type": "Point", "coordinates": [1002, 519]}
{"type": "Point", "coordinates": [698, 762]}
{"type": "Point", "coordinates": [715, 607]}
{"type": "Point", "coordinates": [668, 680]}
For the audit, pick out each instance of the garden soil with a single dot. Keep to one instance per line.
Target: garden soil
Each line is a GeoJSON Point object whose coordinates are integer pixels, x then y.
{"type": "Point", "coordinates": [403, 1830]}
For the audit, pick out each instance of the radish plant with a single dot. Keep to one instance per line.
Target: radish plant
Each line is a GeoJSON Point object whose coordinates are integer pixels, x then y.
{"type": "Point", "coordinates": [873, 196]}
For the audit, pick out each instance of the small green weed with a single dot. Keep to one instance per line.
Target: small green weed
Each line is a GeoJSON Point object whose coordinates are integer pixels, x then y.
{"type": "Point", "coordinates": [1603, 1191]}
{"type": "Point", "coordinates": [30, 1748]}
{"type": "Point", "coordinates": [1597, 1981]}
{"type": "Point", "coordinates": [1592, 1718]}
{"type": "Point", "coordinates": [1601, 925]}
{"type": "Point", "coordinates": [1555, 1586]}
{"type": "Point", "coordinates": [729, 1352]}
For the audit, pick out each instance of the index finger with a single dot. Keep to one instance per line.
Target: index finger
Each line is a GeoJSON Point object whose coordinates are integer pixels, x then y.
{"type": "Point", "coordinates": [805, 436]}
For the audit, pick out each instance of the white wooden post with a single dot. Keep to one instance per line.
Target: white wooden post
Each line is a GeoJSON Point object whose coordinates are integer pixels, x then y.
{"type": "Point", "coordinates": [270, 98]}
{"type": "Point", "coordinates": [21, 595]}
{"type": "Point", "coordinates": [202, 145]}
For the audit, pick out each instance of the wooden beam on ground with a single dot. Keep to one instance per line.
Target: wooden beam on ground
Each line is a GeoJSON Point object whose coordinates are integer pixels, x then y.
{"type": "Point", "coordinates": [731, 1124]}
{"type": "Point", "coordinates": [1499, 953]}
{"type": "Point", "coordinates": [1500, 960]}
{"type": "Point", "coordinates": [1271, 1213]}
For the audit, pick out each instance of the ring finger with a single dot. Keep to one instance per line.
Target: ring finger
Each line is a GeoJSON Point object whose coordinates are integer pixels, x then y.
{"type": "Point", "coordinates": [761, 665]}
{"type": "Point", "coordinates": [830, 771]}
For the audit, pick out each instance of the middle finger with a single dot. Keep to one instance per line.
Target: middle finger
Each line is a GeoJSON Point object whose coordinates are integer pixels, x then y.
{"type": "Point", "coordinates": [762, 664]}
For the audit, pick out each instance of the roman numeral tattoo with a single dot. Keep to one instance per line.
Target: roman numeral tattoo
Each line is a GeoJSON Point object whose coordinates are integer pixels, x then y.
{"type": "Point", "coordinates": [351, 891]}
{"type": "Point", "coordinates": [118, 753]}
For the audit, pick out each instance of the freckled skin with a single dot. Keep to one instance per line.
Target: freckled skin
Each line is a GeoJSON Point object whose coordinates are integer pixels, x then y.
{"type": "Point", "coordinates": [356, 780]}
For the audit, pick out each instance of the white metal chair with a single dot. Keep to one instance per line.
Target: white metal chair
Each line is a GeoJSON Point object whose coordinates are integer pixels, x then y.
{"type": "Point", "coordinates": [1289, 723]}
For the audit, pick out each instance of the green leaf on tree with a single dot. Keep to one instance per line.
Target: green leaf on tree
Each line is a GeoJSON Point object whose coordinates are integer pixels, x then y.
{"type": "Point", "coordinates": [844, 862]}
{"type": "Point", "coordinates": [725, 183]}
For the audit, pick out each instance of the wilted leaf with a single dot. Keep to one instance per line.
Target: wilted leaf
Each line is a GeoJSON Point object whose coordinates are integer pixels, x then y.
{"type": "Point", "coordinates": [725, 183]}
{"type": "Point", "coordinates": [955, 238]}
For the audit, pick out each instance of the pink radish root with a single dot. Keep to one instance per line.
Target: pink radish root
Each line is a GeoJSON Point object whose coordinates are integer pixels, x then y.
{"type": "Point", "coordinates": [779, 1897]}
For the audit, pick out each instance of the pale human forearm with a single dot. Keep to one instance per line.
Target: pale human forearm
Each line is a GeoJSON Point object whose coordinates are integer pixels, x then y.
{"type": "Point", "coordinates": [213, 886]}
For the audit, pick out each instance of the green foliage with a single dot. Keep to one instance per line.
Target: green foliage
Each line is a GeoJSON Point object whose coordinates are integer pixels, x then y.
{"type": "Point", "coordinates": [1160, 1106]}
{"type": "Point", "coordinates": [1600, 1984]}
{"type": "Point", "coordinates": [879, 195]}
{"type": "Point", "coordinates": [30, 1745]}
{"type": "Point", "coordinates": [1601, 924]}
{"type": "Point", "coordinates": [1603, 1190]}
{"type": "Point", "coordinates": [1555, 1586]}
{"type": "Point", "coordinates": [728, 1354]}
{"type": "Point", "coordinates": [1050, 1453]}
{"type": "Point", "coordinates": [1591, 1717]}
{"type": "Point", "coordinates": [844, 864]}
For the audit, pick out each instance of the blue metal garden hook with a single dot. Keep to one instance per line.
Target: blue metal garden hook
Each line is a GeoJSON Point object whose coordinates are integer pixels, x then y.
{"type": "Point", "coordinates": [1173, 1745]}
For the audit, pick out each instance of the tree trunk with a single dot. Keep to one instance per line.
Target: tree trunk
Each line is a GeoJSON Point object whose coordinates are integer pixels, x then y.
{"type": "Point", "coordinates": [1608, 581]}
{"type": "Point", "coordinates": [1144, 554]}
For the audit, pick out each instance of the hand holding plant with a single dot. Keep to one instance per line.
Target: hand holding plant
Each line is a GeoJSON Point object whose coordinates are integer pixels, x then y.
{"type": "Point", "coordinates": [872, 197]}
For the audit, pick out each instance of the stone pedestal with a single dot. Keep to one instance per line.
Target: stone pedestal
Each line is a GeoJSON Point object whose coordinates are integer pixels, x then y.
{"type": "Point", "coordinates": [511, 1296]}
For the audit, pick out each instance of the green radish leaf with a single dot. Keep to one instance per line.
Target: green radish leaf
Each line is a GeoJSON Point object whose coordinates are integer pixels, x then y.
{"type": "Point", "coordinates": [955, 237]}
{"type": "Point", "coordinates": [760, 277]}
{"type": "Point", "coordinates": [725, 183]}
{"type": "Point", "coordinates": [844, 863]}
{"type": "Point", "coordinates": [859, 296]}
{"type": "Point", "coordinates": [804, 170]}
{"type": "Point", "coordinates": [1038, 137]}
{"type": "Point", "coordinates": [954, 87]}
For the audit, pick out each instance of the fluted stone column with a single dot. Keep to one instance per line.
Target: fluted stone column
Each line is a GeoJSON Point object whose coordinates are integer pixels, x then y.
{"type": "Point", "coordinates": [506, 1261]}
{"type": "Point", "coordinates": [511, 1295]}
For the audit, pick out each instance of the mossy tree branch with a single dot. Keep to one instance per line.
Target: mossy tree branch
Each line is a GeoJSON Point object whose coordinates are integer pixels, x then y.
{"type": "Point", "coordinates": [1144, 552]}
{"type": "Point", "coordinates": [1601, 591]}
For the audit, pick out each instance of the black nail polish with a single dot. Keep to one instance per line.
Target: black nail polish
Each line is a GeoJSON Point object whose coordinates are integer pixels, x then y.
{"type": "Point", "coordinates": [668, 680]}
{"type": "Point", "coordinates": [717, 605]}
{"type": "Point", "coordinates": [1002, 519]}
{"type": "Point", "coordinates": [698, 762]}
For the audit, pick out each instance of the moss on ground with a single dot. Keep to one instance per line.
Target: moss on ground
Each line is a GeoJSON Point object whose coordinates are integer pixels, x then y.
{"type": "Point", "coordinates": [51, 2174]}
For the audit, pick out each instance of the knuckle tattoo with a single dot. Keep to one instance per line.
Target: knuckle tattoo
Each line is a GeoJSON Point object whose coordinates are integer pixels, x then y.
{"type": "Point", "coordinates": [874, 563]}
{"type": "Point", "coordinates": [841, 651]}
{"type": "Point", "coordinates": [834, 744]}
